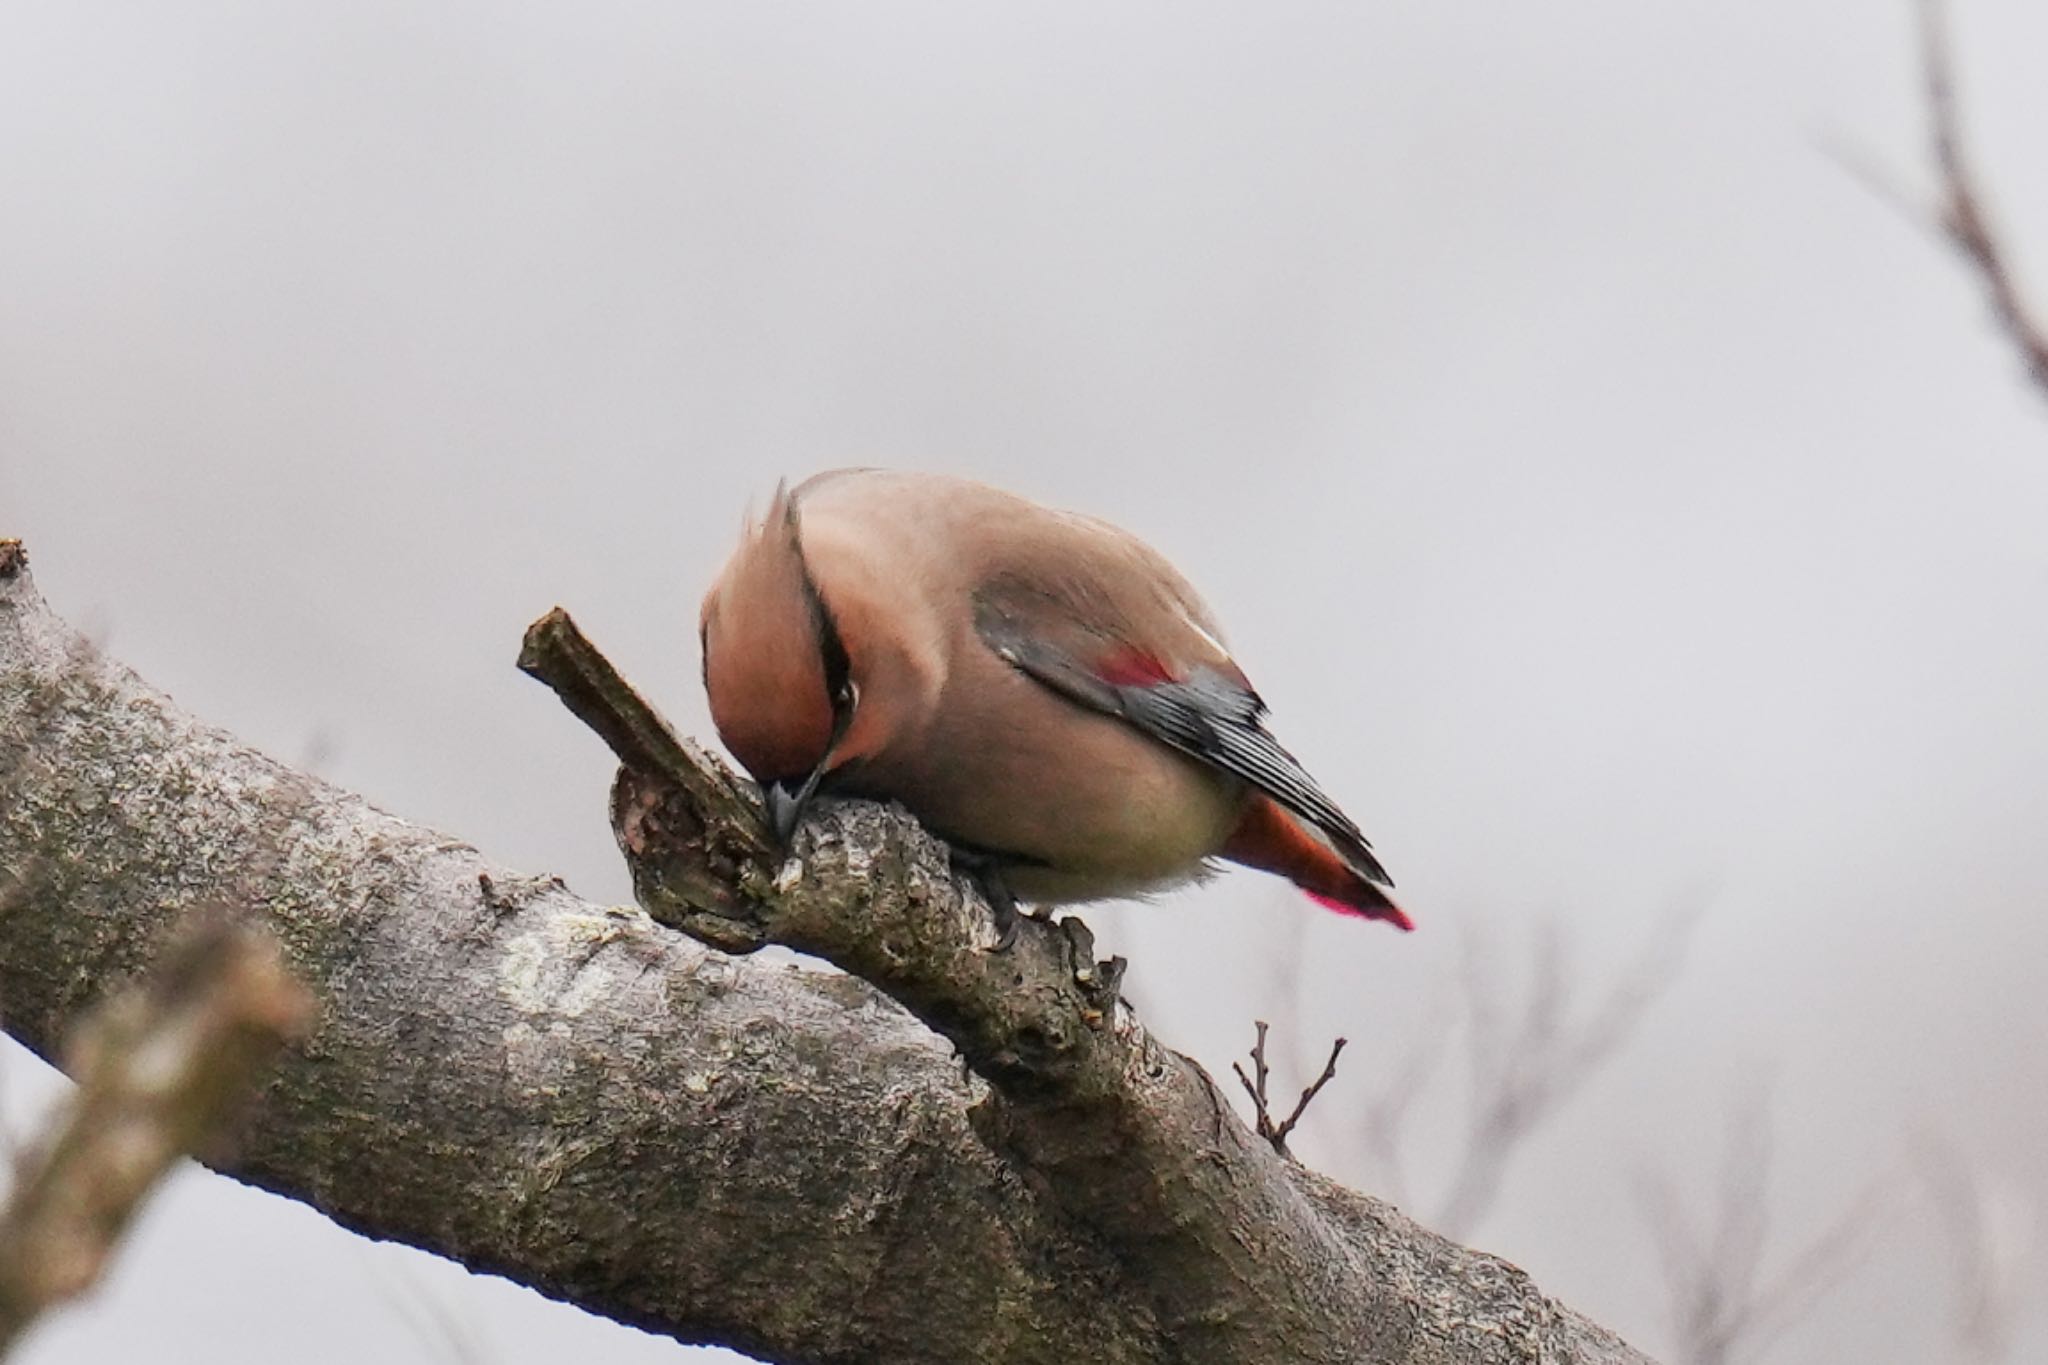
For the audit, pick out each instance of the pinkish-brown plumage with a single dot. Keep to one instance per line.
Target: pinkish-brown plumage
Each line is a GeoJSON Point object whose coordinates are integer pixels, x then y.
{"type": "Point", "coordinates": [1039, 688]}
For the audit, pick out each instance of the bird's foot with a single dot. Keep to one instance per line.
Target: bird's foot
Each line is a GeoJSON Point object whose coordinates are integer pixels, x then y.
{"type": "Point", "coordinates": [987, 876]}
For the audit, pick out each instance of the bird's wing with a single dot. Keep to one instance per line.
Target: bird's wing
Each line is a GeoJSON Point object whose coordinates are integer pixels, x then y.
{"type": "Point", "coordinates": [1179, 687]}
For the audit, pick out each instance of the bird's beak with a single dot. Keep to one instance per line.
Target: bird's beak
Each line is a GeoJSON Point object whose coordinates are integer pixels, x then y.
{"type": "Point", "coordinates": [786, 807]}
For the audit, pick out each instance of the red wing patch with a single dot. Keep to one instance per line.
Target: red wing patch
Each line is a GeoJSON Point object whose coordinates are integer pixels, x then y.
{"type": "Point", "coordinates": [1130, 666]}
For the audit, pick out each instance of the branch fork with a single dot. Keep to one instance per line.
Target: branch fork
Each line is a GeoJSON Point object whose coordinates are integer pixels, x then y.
{"type": "Point", "coordinates": [1264, 1124]}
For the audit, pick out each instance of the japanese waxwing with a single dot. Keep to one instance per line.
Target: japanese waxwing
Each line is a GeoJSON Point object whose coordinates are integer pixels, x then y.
{"type": "Point", "coordinates": [1040, 689]}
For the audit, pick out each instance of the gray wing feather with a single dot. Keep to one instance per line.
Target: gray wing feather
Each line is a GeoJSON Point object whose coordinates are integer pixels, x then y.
{"type": "Point", "coordinates": [1209, 718]}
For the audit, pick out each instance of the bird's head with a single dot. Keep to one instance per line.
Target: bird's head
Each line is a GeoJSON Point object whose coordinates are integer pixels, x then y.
{"type": "Point", "coordinates": [776, 672]}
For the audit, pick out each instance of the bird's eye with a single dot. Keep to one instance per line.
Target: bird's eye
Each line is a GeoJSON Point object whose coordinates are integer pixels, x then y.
{"type": "Point", "coordinates": [847, 696]}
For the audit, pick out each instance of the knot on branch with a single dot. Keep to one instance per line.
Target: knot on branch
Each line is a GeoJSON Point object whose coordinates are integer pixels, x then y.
{"type": "Point", "coordinates": [688, 872]}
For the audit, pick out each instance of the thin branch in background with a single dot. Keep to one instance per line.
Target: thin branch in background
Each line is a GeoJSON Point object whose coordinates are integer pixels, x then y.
{"type": "Point", "coordinates": [1958, 215]}
{"type": "Point", "coordinates": [1723, 1305]}
{"type": "Point", "coordinates": [1287, 943]}
{"type": "Point", "coordinates": [1262, 1113]}
{"type": "Point", "coordinates": [1993, 1245]}
{"type": "Point", "coordinates": [445, 1332]}
{"type": "Point", "coordinates": [1963, 216]}
{"type": "Point", "coordinates": [161, 1069]}
{"type": "Point", "coordinates": [1524, 1068]}
{"type": "Point", "coordinates": [1389, 1109]}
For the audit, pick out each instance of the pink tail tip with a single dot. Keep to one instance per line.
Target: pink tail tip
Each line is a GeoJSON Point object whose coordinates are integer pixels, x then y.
{"type": "Point", "coordinates": [1385, 909]}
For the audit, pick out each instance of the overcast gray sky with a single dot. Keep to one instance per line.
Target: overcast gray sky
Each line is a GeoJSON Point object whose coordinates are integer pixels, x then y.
{"type": "Point", "coordinates": [1621, 507]}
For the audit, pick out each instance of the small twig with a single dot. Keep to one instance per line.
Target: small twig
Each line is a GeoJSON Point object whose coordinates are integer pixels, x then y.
{"type": "Point", "coordinates": [1724, 1306]}
{"type": "Point", "coordinates": [1389, 1110]}
{"type": "Point", "coordinates": [1993, 1245]}
{"type": "Point", "coordinates": [160, 1071]}
{"type": "Point", "coordinates": [1301, 1106]}
{"type": "Point", "coordinates": [1524, 1069]}
{"type": "Point", "coordinates": [1963, 217]}
{"type": "Point", "coordinates": [1257, 1092]}
{"type": "Point", "coordinates": [442, 1330]}
{"type": "Point", "coordinates": [1262, 1112]}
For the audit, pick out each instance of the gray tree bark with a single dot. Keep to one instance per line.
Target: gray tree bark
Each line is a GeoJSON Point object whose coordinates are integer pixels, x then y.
{"type": "Point", "coordinates": [943, 1155]}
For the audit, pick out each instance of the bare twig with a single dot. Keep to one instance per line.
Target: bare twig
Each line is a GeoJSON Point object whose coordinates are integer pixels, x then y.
{"type": "Point", "coordinates": [1329, 1074]}
{"type": "Point", "coordinates": [1992, 1243]}
{"type": "Point", "coordinates": [1389, 1109]}
{"type": "Point", "coordinates": [439, 1327]}
{"type": "Point", "coordinates": [1523, 1072]}
{"type": "Point", "coordinates": [1963, 215]}
{"type": "Point", "coordinates": [160, 1070]}
{"type": "Point", "coordinates": [1287, 949]}
{"type": "Point", "coordinates": [1256, 1090]}
{"type": "Point", "coordinates": [1723, 1305]}
{"type": "Point", "coordinates": [1524, 1063]}
{"type": "Point", "coordinates": [1959, 215]}
{"type": "Point", "coordinates": [1276, 1133]}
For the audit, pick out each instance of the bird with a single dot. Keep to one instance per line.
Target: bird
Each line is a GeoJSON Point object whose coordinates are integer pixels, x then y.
{"type": "Point", "coordinates": [1040, 689]}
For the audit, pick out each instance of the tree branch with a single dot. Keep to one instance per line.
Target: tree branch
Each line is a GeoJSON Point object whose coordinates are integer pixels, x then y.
{"type": "Point", "coordinates": [1724, 1307]}
{"type": "Point", "coordinates": [1524, 1071]}
{"type": "Point", "coordinates": [1963, 217]}
{"type": "Point", "coordinates": [161, 1070]}
{"type": "Point", "coordinates": [1959, 216]}
{"type": "Point", "coordinates": [780, 1160]}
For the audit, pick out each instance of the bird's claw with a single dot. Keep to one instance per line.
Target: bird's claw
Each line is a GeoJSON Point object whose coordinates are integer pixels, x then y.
{"type": "Point", "coordinates": [1006, 923]}
{"type": "Point", "coordinates": [987, 876]}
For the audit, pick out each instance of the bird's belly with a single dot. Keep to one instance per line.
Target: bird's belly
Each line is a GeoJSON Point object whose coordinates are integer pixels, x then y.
{"type": "Point", "coordinates": [1107, 813]}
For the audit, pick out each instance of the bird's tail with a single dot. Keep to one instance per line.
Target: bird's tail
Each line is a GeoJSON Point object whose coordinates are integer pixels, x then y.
{"type": "Point", "coordinates": [1274, 839]}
